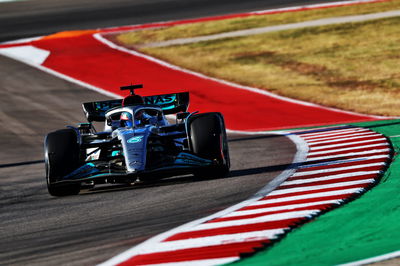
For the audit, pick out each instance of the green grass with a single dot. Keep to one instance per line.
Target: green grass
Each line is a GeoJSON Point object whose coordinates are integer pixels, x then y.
{"type": "Point", "coordinates": [364, 228]}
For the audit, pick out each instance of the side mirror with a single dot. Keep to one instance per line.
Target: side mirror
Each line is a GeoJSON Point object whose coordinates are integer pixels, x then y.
{"type": "Point", "coordinates": [182, 115]}
{"type": "Point", "coordinates": [109, 122]}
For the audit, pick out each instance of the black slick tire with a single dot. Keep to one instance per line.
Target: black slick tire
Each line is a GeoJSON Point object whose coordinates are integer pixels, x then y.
{"type": "Point", "coordinates": [207, 139]}
{"type": "Point", "coordinates": [61, 158]}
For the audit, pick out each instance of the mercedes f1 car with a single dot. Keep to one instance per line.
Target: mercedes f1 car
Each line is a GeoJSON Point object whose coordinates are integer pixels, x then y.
{"type": "Point", "coordinates": [138, 143]}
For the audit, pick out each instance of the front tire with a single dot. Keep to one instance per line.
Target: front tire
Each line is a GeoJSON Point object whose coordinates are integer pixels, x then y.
{"type": "Point", "coordinates": [207, 139]}
{"type": "Point", "coordinates": [61, 158]}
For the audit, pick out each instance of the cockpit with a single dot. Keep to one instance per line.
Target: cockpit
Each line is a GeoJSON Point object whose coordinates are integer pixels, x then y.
{"type": "Point", "coordinates": [134, 117]}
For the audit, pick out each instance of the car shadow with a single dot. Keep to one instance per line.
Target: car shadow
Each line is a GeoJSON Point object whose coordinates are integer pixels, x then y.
{"type": "Point", "coordinates": [178, 180]}
{"type": "Point", "coordinates": [21, 163]}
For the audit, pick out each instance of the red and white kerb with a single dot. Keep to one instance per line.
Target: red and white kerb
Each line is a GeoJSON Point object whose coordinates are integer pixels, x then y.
{"type": "Point", "coordinates": [341, 164]}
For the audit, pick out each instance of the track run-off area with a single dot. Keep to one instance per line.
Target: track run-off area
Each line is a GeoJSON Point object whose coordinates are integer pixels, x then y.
{"type": "Point", "coordinates": [88, 58]}
{"type": "Point", "coordinates": [332, 166]}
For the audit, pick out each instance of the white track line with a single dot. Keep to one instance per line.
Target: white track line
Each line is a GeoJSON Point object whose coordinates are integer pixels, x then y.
{"type": "Point", "coordinates": [210, 241]}
{"type": "Point", "coordinates": [261, 219]}
{"type": "Point", "coordinates": [349, 149]}
{"type": "Point", "coordinates": [318, 187]}
{"type": "Point", "coordinates": [24, 40]}
{"type": "Point", "coordinates": [67, 78]}
{"type": "Point", "coordinates": [275, 28]}
{"type": "Point", "coordinates": [330, 170]}
{"type": "Point", "coordinates": [343, 161]}
{"type": "Point", "coordinates": [311, 143]}
{"type": "Point", "coordinates": [329, 177]}
{"type": "Point", "coordinates": [308, 196]}
{"type": "Point", "coordinates": [308, 136]}
{"type": "Point", "coordinates": [280, 208]}
{"type": "Point", "coordinates": [344, 136]}
{"type": "Point", "coordinates": [320, 129]}
{"type": "Point", "coordinates": [28, 54]}
{"type": "Point", "coordinates": [347, 144]}
{"type": "Point", "coordinates": [351, 154]}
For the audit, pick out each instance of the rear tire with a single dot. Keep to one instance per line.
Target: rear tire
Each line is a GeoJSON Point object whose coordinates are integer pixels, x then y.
{"type": "Point", "coordinates": [207, 139]}
{"type": "Point", "coordinates": [61, 158]}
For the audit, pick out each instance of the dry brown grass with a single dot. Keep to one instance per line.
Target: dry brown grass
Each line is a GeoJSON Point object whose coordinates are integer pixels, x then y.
{"type": "Point", "coordinates": [354, 66]}
{"type": "Point", "coordinates": [213, 27]}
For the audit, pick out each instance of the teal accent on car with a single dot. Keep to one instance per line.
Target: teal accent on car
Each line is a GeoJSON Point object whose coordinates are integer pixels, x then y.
{"type": "Point", "coordinates": [135, 139]}
{"type": "Point", "coordinates": [85, 170]}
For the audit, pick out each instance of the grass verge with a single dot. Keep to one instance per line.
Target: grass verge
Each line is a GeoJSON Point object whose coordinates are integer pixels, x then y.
{"type": "Point", "coordinates": [213, 27]}
{"type": "Point", "coordinates": [353, 66]}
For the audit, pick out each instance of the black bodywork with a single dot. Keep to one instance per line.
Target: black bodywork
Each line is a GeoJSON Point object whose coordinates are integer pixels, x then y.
{"type": "Point", "coordinates": [149, 149]}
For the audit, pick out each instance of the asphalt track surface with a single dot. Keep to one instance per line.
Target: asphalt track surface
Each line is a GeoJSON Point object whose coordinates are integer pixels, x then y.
{"type": "Point", "coordinates": [37, 229]}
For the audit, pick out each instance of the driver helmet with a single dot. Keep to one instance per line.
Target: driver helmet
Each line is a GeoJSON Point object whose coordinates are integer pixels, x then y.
{"type": "Point", "coordinates": [126, 119]}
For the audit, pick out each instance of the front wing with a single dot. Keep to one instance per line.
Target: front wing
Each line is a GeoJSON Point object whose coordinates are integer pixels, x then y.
{"type": "Point", "coordinates": [184, 163]}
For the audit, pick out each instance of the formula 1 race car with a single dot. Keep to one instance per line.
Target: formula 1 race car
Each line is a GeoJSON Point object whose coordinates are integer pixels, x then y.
{"type": "Point", "coordinates": [138, 143]}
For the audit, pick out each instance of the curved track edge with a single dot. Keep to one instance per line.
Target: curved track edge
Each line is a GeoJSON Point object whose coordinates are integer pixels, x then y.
{"type": "Point", "coordinates": [332, 166]}
{"type": "Point", "coordinates": [299, 157]}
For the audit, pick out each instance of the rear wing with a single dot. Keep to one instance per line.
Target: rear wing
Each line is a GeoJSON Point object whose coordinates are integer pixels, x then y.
{"type": "Point", "coordinates": [170, 103]}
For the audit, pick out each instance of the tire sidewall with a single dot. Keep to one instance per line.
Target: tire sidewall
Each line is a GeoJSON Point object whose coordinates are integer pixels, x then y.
{"type": "Point", "coordinates": [61, 158]}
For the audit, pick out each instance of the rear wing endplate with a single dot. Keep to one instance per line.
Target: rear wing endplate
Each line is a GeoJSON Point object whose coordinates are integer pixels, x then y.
{"type": "Point", "coordinates": [170, 103]}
